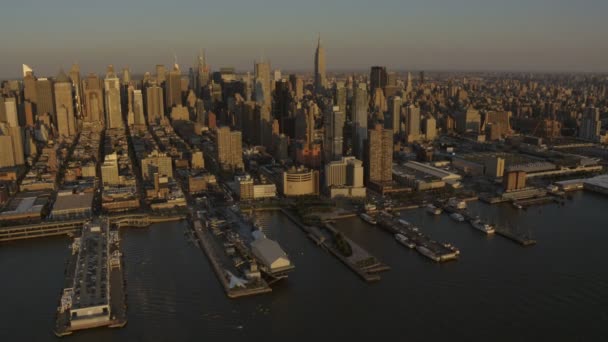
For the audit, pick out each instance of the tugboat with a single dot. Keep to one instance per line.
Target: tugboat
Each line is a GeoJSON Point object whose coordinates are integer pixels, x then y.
{"type": "Point", "coordinates": [484, 227]}
{"type": "Point", "coordinates": [457, 204]}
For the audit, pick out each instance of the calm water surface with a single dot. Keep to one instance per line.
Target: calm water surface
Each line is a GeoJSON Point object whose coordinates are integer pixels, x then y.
{"type": "Point", "coordinates": [498, 291]}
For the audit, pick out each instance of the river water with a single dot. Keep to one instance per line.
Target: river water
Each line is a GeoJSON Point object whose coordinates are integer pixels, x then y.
{"type": "Point", "coordinates": [497, 290]}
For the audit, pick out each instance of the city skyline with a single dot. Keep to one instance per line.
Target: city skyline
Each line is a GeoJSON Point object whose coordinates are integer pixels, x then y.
{"type": "Point", "coordinates": [469, 36]}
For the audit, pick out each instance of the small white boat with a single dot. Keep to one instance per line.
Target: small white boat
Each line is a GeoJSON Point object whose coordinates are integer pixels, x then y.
{"type": "Point", "coordinates": [365, 217]}
{"type": "Point", "coordinates": [457, 217]}
{"type": "Point", "coordinates": [405, 241]}
{"type": "Point", "coordinates": [428, 253]}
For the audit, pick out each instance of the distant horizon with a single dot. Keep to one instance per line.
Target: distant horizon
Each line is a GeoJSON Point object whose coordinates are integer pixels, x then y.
{"type": "Point", "coordinates": [135, 71]}
{"type": "Point", "coordinates": [539, 36]}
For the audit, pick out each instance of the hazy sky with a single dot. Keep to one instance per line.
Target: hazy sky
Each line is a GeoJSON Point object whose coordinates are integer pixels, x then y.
{"type": "Point", "coordinates": [543, 35]}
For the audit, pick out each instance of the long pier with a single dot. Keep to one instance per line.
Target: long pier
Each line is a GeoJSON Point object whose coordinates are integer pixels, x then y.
{"type": "Point", "coordinates": [361, 262]}
{"type": "Point", "coordinates": [517, 237]}
{"type": "Point", "coordinates": [45, 229]}
{"type": "Point", "coordinates": [434, 250]}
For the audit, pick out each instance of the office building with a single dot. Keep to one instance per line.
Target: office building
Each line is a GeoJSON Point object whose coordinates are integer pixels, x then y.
{"type": "Point", "coordinates": [334, 126]}
{"type": "Point", "coordinates": [156, 163]}
{"type": "Point", "coordinates": [379, 155]}
{"type": "Point", "coordinates": [78, 90]}
{"type": "Point", "coordinates": [360, 104]}
{"type": "Point", "coordinates": [173, 87]}
{"type": "Point", "coordinates": [113, 104]}
{"type": "Point", "coordinates": [7, 156]}
{"type": "Point", "coordinates": [229, 149]}
{"type": "Point", "coordinates": [44, 94]}
{"type": "Point", "coordinates": [93, 99]}
{"type": "Point", "coordinates": [139, 118]}
{"type": "Point", "coordinates": [154, 103]}
{"type": "Point", "coordinates": [378, 78]}
{"type": "Point", "coordinates": [468, 122]}
{"type": "Point", "coordinates": [430, 128]}
{"type": "Point", "coordinates": [392, 119]}
{"type": "Point", "coordinates": [64, 105]}
{"type": "Point", "coordinates": [109, 170]}
{"type": "Point", "coordinates": [344, 178]}
{"type": "Point", "coordinates": [29, 87]}
{"type": "Point", "coordinates": [300, 182]}
{"type": "Point", "coordinates": [412, 123]}
{"type": "Point", "coordinates": [591, 125]}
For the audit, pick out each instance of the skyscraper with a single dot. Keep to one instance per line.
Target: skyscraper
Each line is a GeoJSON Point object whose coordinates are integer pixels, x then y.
{"type": "Point", "coordinates": [29, 87]}
{"type": "Point", "coordinates": [430, 128]}
{"type": "Point", "coordinates": [359, 107]}
{"type": "Point", "coordinates": [377, 78]}
{"type": "Point", "coordinates": [11, 115]}
{"type": "Point", "coordinates": [18, 147]}
{"type": "Point", "coordinates": [469, 121]}
{"type": "Point", "coordinates": [93, 99]}
{"type": "Point", "coordinates": [263, 94]}
{"type": "Point", "coordinates": [64, 105]}
{"type": "Point", "coordinates": [320, 78]}
{"type": "Point", "coordinates": [7, 158]}
{"type": "Point", "coordinates": [393, 118]}
{"type": "Point", "coordinates": [138, 108]}
{"type": "Point", "coordinates": [412, 123]}
{"type": "Point", "coordinates": [154, 103]}
{"type": "Point", "coordinates": [44, 94]}
{"type": "Point", "coordinates": [161, 74]}
{"type": "Point", "coordinates": [229, 149]}
{"type": "Point", "coordinates": [202, 72]}
{"type": "Point", "coordinates": [591, 125]}
{"type": "Point", "coordinates": [78, 91]}
{"type": "Point", "coordinates": [173, 87]}
{"type": "Point", "coordinates": [379, 155]}
{"type": "Point", "coordinates": [340, 96]}
{"type": "Point", "coordinates": [113, 105]}
{"type": "Point", "coordinates": [333, 140]}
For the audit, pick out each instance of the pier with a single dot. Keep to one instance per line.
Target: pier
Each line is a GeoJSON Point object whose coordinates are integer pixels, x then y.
{"type": "Point", "coordinates": [230, 287]}
{"type": "Point", "coordinates": [55, 228]}
{"type": "Point", "coordinates": [522, 239]}
{"type": "Point", "coordinates": [427, 247]}
{"type": "Point", "coordinates": [360, 261]}
{"type": "Point", "coordinates": [94, 292]}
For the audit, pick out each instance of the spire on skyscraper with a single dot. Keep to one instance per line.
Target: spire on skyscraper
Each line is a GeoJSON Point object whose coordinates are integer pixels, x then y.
{"type": "Point", "coordinates": [62, 77]}
{"type": "Point", "coordinates": [26, 69]}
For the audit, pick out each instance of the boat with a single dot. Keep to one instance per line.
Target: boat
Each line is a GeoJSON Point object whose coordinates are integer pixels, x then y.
{"type": "Point", "coordinates": [431, 209]}
{"type": "Point", "coordinates": [365, 217]}
{"type": "Point", "coordinates": [370, 207]}
{"type": "Point", "coordinates": [457, 204]}
{"type": "Point", "coordinates": [517, 205]}
{"type": "Point", "coordinates": [457, 217]}
{"type": "Point", "coordinates": [428, 253]}
{"type": "Point", "coordinates": [405, 241]}
{"type": "Point", "coordinates": [404, 222]}
{"type": "Point", "coordinates": [484, 227]}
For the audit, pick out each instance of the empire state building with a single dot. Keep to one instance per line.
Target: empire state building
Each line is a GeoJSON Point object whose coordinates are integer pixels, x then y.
{"type": "Point", "coordinates": [320, 79]}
